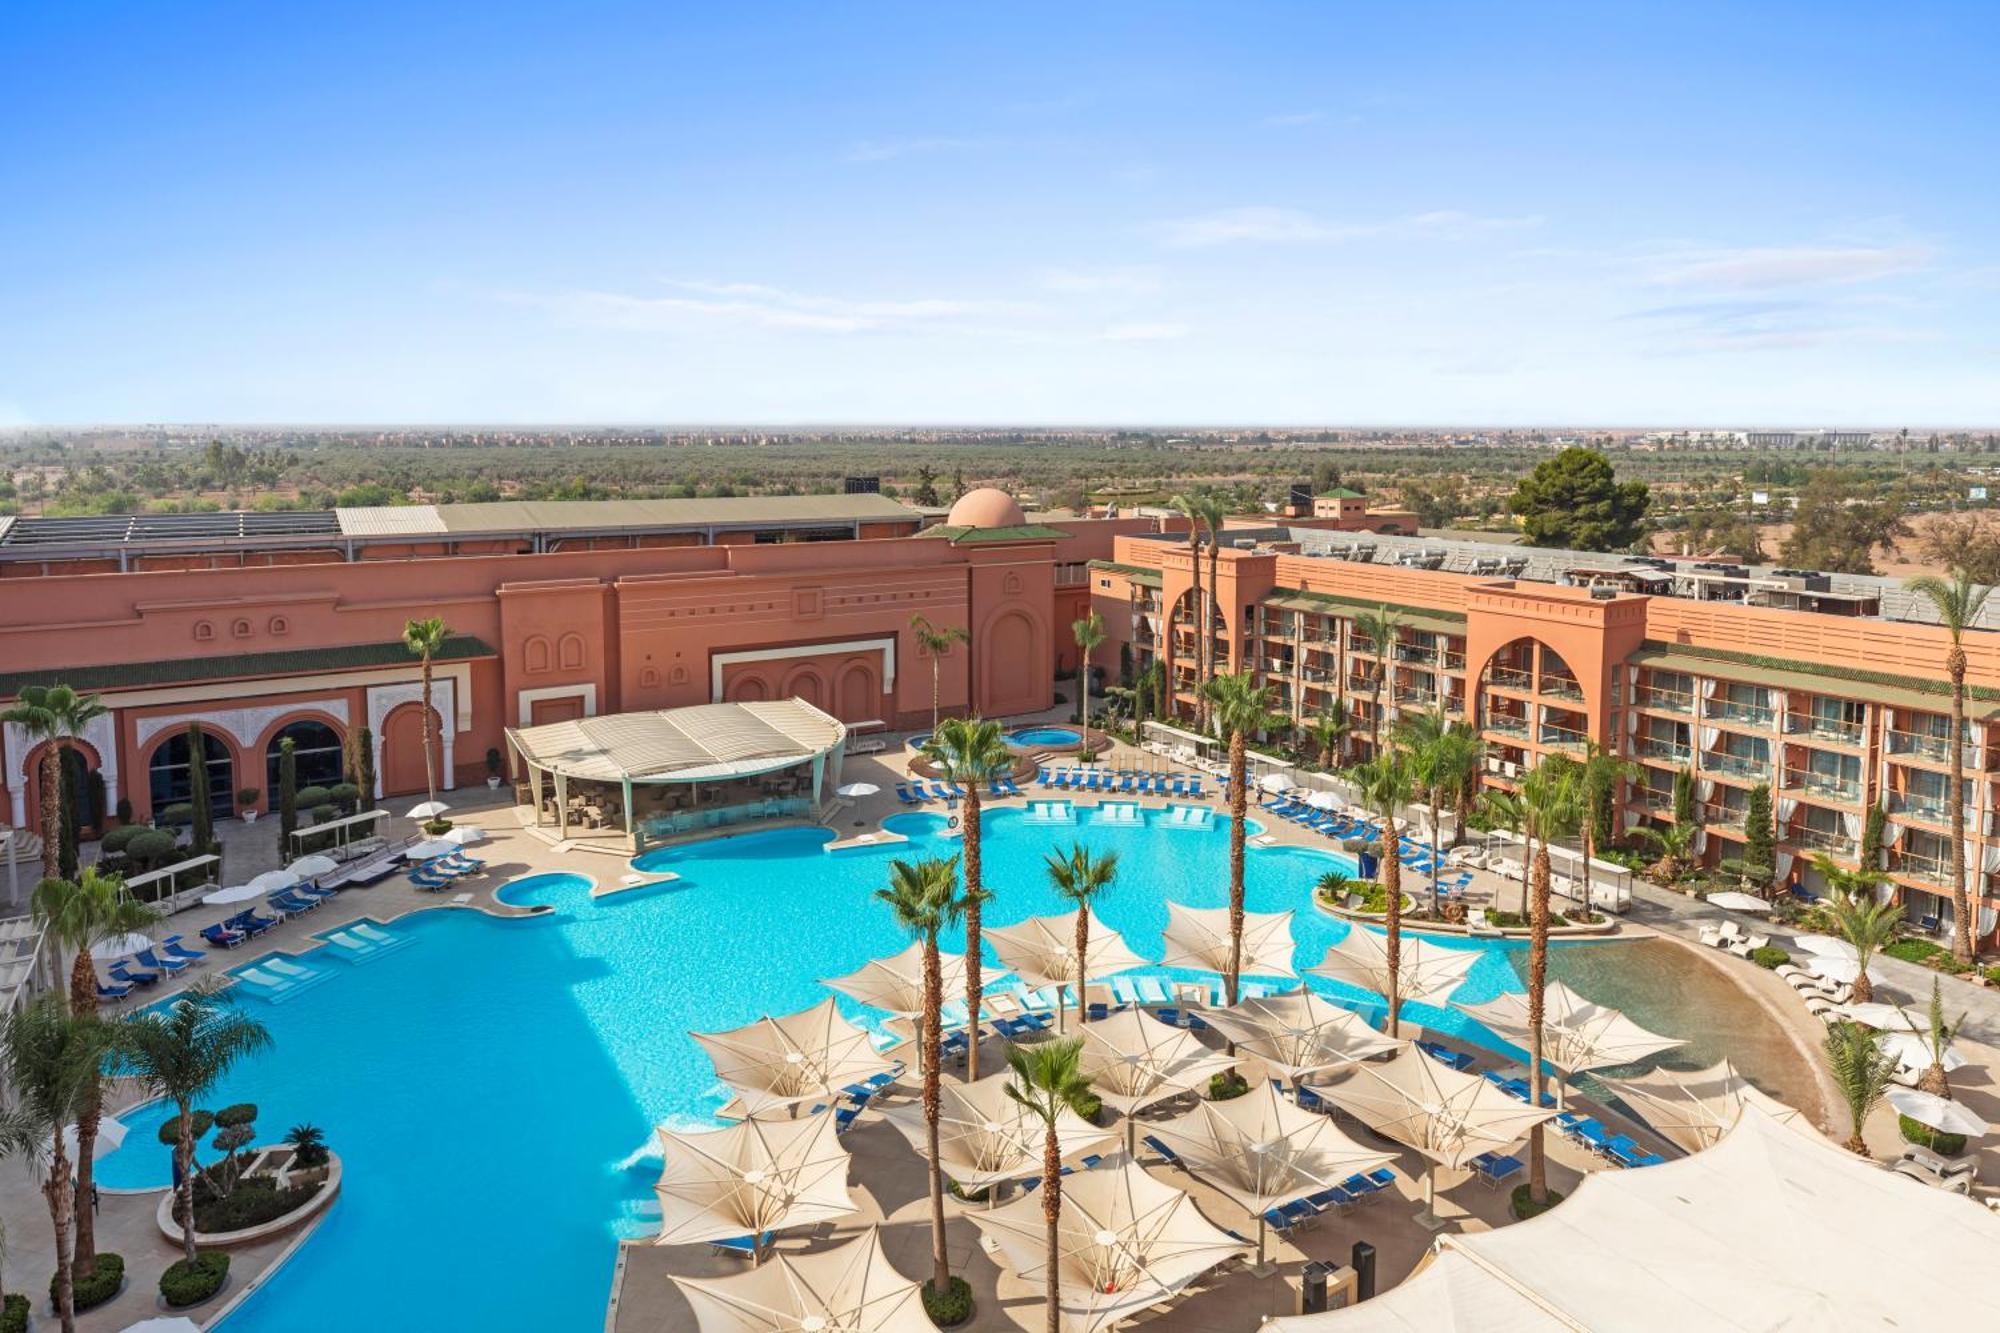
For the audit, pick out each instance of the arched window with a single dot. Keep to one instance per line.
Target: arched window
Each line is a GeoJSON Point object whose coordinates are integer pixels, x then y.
{"type": "Point", "coordinates": [316, 757]}
{"type": "Point", "coordinates": [172, 776]}
{"type": "Point", "coordinates": [569, 652]}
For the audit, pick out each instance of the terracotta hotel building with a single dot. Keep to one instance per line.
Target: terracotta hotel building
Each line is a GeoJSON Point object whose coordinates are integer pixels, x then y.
{"type": "Point", "coordinates": [258, 627]}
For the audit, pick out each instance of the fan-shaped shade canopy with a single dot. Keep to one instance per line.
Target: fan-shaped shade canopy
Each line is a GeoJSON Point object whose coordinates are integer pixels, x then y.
{"type": "Point", "coordinates": [847, 1289]}
{"type": "Point", "coordinates": [777, 1062]}
{"type": "Point", "coordinates": [1448, 1116]}
{"type": "Point", "coordinates": [896, 984]}
{"type": "Point", "coordinates": [1577, 1033]}
{"type": "Point", "coordinates": [1425, 970]}
{"type": "Point", "coordinates": [751, 1177]}
{"type": "Point", "coordinates": [985, 1136]}
{"type": "Point", "coordinates": [1261, 1150]}
{"type": "Point", "coordinates": [1198, 937]}
{"type": "Point", "coordinates": [1134, 1060]}
{"type": "Point", "coordinates": [1042, 949]}
{"type": "Point", "coordinates": [1694, 1108]}
{"type": "Point", "coordinates": [1299, 1033]}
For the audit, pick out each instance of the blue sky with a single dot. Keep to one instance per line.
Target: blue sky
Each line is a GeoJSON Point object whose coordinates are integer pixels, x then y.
{"type": "Point", "coordinates": [1243, 212]}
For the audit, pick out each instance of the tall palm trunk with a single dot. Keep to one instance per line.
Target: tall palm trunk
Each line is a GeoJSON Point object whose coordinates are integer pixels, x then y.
{"type": "Point", "coordinates": [975, 983]}
{"type": "Point", "coordinates": [184, 1178]}
{"type": "Point", "coordinates": [60, 1193]}
{"type": "Point", "coordinates": [1538, 980]}
{"type": "Point", "coordinates": [51, 804]}
{"type": "Point", "coordinates": [1238, 778]}
{"type": "Point", "coordinates": [1052, 1218]}
{"type": "Point", "coordinates": [1963, 905]}
{"type": "Point", "coordinates": [934, 691]}
{"type": "Point", "coordinates": [1208, 620]}
{"type": "Point", "coordinates": [1434, 813]}
{"type": "Point", "coordinates": [1392, 885]}
{"type": "Point", "coordinates": [1201, 634]}
{"type": "Point", "coordinates": [430, 765]}
{"type": "Point", "coordinates": [1082, 952]}
{"type": "Point", "coordinates": [82, 1002]}
{"type": "Point", "coordinates": [928, 1042]}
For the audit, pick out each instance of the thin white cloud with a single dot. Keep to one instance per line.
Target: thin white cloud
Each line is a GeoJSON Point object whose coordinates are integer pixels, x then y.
{"type": "Point", "coordinates": [887, 150]}
{"type": "Point", "coordinates": [1129, 280]}
{"type": "Point", "coordinates": [1291, 226]}
{"type": "Point", "coordinates": [755, 305]}
{"type": "Point", "coordinates": [1775, 267]}
{"type": "Point", "coordinates": [1140, 331]}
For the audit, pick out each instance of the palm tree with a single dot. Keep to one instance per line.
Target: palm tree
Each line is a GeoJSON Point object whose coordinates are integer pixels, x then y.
{"type": "Point", "coordinates": [1844, 883]}
{"type": "Point", "coordinates": [1443, 756]}
{"type": "Point", "coordinates": [1189, 505]}
{"type": "Point", "coordinates": [79, 915]}
{"type": "Point", "coordinates": [969, 753]}
{"type": "Point", "coordinates": [936, 641]}
{"type": "Point", "coordinates": [1327, 731]}
{"type": "Point", "coordinates": [1380, 628]}
{"type": "Point", "coordinates": [1552, 802]}
{"type": "Point", "coordinates": [1240, 705]}
{"type": "Point", "coordinates": [1598, 776]}
{"type": "Point", "coordinates": [1958, 603]}
{"type": "Point", "coordinates": [181, 1053]}
{"type": "Point", "coordinates": [1089, 633]}
{"type": "Point", "coordinates": [56, 714]}
{"type": "Point", "coordinates": [1861, 1068]}
{"type": "Point", "coordinates": [1078, 878]}
{"type": "Point", "coordinates": [1866, 924]}
{"type": "Point", "coordinates": [54, 1059]}
{"type": "Point", "coordinates": [1503, 810]}
{"type": "Point", "coordinates": [1675, 844]}
{"type": "Point", "coordinates": [1937, 1036]}
{"type": "Point", "coordinates": [1384, 786]}
{"type": "Point", "coordinates": [1214, 514]}
{"type": "Point", "coordinates": [1048, 1079]}
{"type": "Point", "coordinates": [426, 639]}
{"type": "Point", "coordinates": [924, 897]}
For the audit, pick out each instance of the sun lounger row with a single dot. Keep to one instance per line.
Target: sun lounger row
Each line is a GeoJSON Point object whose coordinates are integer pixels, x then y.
{"type": "Point", "coordinates": [1339, 1198]}
{"type": "Point", "coordinates": [1728, 936]}
{"type": "Point", "coordinates": [1458, 1060]}
{"type": "Point", "coordinates": [1517, 1088]}
{"type": "Point", "coordinates": [1123, 782]}
{"type": "Point", "coordinates": [1618, 1148]}
{"type": "Point", "coordinates": [443, 871]}
{"type": "Point", "coordinates": [1494, 1169]}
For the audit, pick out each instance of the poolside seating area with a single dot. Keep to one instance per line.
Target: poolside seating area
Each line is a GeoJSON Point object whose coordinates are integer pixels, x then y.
{"type": "Point", "coordinates": [441, 872]}
{"type": "Point", "coordinates": [1732, 938]}
{"type": "Point", "coordinates": [1123, 781]}
{"type": "Point", "coordinates": [921, 791]}
{"type": "Point", "coordinates": [1341, 1198]}
{"type": "Point", "coordinates": [1618, 1149]}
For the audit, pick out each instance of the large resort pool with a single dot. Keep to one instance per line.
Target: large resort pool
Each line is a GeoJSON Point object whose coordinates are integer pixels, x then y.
{"type": "Point", "coordinates": [493, 1086]}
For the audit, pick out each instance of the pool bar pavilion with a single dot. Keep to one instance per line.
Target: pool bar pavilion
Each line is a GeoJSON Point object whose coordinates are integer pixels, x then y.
{"type": "Point", "coordinates": [654, 777]}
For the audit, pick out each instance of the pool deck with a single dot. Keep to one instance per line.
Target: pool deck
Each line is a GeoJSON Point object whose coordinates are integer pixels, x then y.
{"type": "Point", "coordinates": [889, 1178]}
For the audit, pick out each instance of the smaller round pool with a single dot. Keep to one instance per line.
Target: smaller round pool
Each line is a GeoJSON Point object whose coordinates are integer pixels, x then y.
{"type": "Point", "coordinates": [1029, 737]}
{"type": "Point", "coordinates": [544, 889]}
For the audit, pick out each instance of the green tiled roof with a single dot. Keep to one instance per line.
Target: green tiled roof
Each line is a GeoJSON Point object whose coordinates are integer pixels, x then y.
{"type": "Point", "coordinates": [1144, 574]}
{"type": "Point", "coordinates": [234, 666]}
{"type": "Point", "coordinates": [1026, 532]}
{"type": "Point", "coordinates": [1880, 687]}
{"type": "Point", "coordinates": [1341, 493]}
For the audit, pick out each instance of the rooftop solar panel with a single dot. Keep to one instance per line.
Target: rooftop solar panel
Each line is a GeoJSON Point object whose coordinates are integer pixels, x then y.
{"type": "Point", "coordinates": [113, 529]}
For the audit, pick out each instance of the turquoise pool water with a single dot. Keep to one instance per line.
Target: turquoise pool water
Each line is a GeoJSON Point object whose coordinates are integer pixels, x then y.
{"type": "Point", "coordinates": [492, 1084]}
{"type": "Point", "coordinates": [1028, 737]}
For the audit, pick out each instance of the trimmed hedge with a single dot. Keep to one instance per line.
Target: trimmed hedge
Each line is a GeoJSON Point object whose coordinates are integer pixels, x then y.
{"type": "Point", "coordinates": [119, 839]}
{"type": "Point", "coordinates": [253, 1202]}
{"type": "Point", "coordinates": [950, 1308]}
{"type": "Point", "coordinates": [185, 1283]}
{"type": "Point", "coordinates": [14, 1314]}
{"type": "Point", "coordinates": [87, 1293]}
{"type": "Point", "coordinates": [1769, 956]}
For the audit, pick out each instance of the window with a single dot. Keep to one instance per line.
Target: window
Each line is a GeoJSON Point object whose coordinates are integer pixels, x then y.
{"type": "Point", "coordinates": [316, 757]}
{"type": "Point", "coordinates": [171, 777]}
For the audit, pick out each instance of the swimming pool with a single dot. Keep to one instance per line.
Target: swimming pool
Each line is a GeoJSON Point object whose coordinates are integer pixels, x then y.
{"type": "Point", "coordinates": [492, 1086]}
{"type": "Point", "coordinates": [1028, 738]}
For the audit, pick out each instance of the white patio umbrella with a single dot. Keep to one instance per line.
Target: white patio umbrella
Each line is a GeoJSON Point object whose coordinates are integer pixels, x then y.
{"type": "Point", "coordinates": [1886, 1017]}
{"type": "Point", "coordinates": [1577, 1033]}
{"type": "Point", "coordinates": [1299, 1033]}
{"type": "Point", "coordinates": [179, 1323]}
{"type": "Point", "coordinates": [1827, 946]}
{"type": "Point", "coordinates": [777, 1062]}
{"type": "Point", "coordinates": [235, 893]}
{"type": "Point", "coordinates": [895, 984]}
{"type": "Point", "coordinates": [856, 789]}
{"type": "Point", "coordinates": [1124, 1242]}
{"type": "Point", "coordinates": [1732, 901]}
{"type": "Point", "coordinates": [1448, 1116]}
{"type": "Point", "coordinates": [1426, 971]}
{"type": "Point", "coordinates": [751, 1178]}
{"type": "Point", "coordinates": [110, 1133]}
{"type": "Point", "coordinates": [1275, 783]}
{"type": "Point", "coordinates": [1914, 1052]}
{"type": "Point", "coordinates": [274, 881]}
{"type": "Point", "coordinates": [1940, 1113]}
{"type": "Point", "coordinates": [1694, 1108]}
{"type": "Point", "coordinates": [1198, 938]}
{"type": "Point", "coordinates": [1835, 968]}
{"type": "Point", "coordinates": [428, 810]}
{"type": "Point", "coordinates": [1262, 1150]}
{"type": "Point", "coordinates": [1323, 800]}
{"type": "Point", "coordinates": [315, 863]}
{"type": "Point", "coordinates": [1042, 951]}
{"type": "Point", "coordinates": [428, 848]}
{"type": "Point", "coordinates": [985, 1136]}
{"type": "Point", "coordinates": [464, 835]}
{"type": "Point", "coordinates": [1133, 1060]}
{"type": "Point", "coordinates": [850, 1288]}
{"type": "Point", "coordinates": [120, 946]}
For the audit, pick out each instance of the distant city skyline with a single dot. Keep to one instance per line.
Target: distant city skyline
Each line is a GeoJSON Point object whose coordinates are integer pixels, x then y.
{"type": "Point", "coordinates": [1451, 214]}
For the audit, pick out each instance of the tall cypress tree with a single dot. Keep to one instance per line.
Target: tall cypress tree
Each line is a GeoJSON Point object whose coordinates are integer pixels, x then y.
{"type": "Point", "coordinates": [204, 818]}
{"type": "Point", "coordinates": [1684, 796]}
{"type": "Point", "coordinates": [366, 778]}
{"type": "Point", "coordinates": [1759, 853]}
{"type": "Point", "coordinates": [1871, 838]}
{"type": "Point", "coordinates": [288, 794]}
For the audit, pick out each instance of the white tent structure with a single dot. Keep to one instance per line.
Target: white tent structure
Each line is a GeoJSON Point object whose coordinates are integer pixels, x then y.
{"type": "Point", "coordinates": [1426, 971]}
{"type": "Point", "coordinates": [1687, 1246]}
{"type": "Point", "coordinates": [779, 1062]}
{"type": "Point", "coordinates": [1448, 1116]}
{"type": "Point", "coordinates": [850, 1288]}
{"type": "Point", "coordinates": [1042, 952]}
{"type": "Point", "coordinates": [1299, 1033]}
{"type": "Point", "coordinates": [1694, 1108]}
{"type": "Point", "coordinates": [1125, 1242]}
{"type": "Point", "coordinates": [750, 1178]}
{"type": "Point", "coordinates": [986, 1137]}
{"type": "Point", "coordinates": [896, 984]}
{"type": "Point", "coordinates": [1198, 938]}
{"type": "Point", "coordinates": [1577, 1033]}
{"type": "Point", "coordinates": [1262, 1150]}
{"type": "Point", "coordinates": [1133, 1060]}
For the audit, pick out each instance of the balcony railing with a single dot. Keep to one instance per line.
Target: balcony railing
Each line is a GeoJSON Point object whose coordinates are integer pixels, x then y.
{"type": "Point", "coordinates": [1823, 729]}
{"type": "Point", "coordinates": [1418, 653]}
{"type": "Point", "coordinates": [1722, 816]}
{"type": "Point", "coordinates": [1278, 665]}
{"type": "Point", "coordinates": [1452, 661]}
{"type": "Point", "coordinates": [1361, 646]}
{"type": "Point", "coordinates": [1562, 687]}
{"type": "Point", "coordinates": [1674, 752]}
{"type": "Point", "coordinates": [1507, 725]}
{"type": "Point", "coordinates": [1931, 869]}
{"type": "Point", "coordinates": [1561, 738]}
{"type": "Point", "coordinates": [1919, 745]}
{"type": "Point", "coordinates": [1844, 790]}
{"type": "Point", "coordinates": [1512, 678]}
{"type": "Point", "coordinates": [1748, 715]}
{"type": "Point", "coordinates": [1666, 701]}
{"type": "Point", "coordinates": [1931, 809]}
{"type": "Point", "coordinates": [1819, 840]}
{"type": "Point", "coordinates": [1407, 698]}
{"type": "Point", "coordinates": [1736, 765]}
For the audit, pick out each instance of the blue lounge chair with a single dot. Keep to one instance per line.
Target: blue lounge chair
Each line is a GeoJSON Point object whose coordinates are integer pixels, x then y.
{"type": "Point", "coordinates": [1381, 1177]}
{"type": "Point", "coordinates": [1621, 1149]}
{"type": "Point", "coordinates": [1649, 1159]}
{"type": "Point", "coordinates": [1334, 1198]}
{"type": "Point", "coordinates": [1494, 1169]}
{"type": "Point", "coordinates": [125, 976]}
{"type": "Point", "coordinates": [222, 936]}
{"type": "Point", "coordinates": [1180, 785]}
{"type": "Point", "coordinates": [1194, 786]}
{"type": "Point", "coordinates": [1167, 1155]}
{"type": "Point", "coordinates": [1595, 1134]}
{"type": "Point", "coordinates": [159, 963]}
{"type": "Point", "coordinates": [105, 992]}
{"type": "Point", "coordinates": [174, 949]}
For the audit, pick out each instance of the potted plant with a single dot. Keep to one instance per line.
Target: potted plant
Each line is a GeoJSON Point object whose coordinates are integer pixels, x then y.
{"type": "Point", "coordinates": [493, 768]}
{"type": "Point", "coordinates": [246, 803]}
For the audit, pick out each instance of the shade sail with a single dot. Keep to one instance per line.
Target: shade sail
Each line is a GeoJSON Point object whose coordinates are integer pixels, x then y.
{"type": "Point", "coordinates": [751, 1177]}
{"type": "Point", "coordinates": [1448, 1116]}
{"type": "Point", "coordinates": [1042, 949]}
{"type": "Point", "coordinates": [1198, 937]}
{"type": "Point", "coordinates": [850, 1288]}
{"type": "Point", "coordinates": [1694, 1108]}
{"type": "Point", "coordinates": [1261, 1150]}
{"type": "Point", "coordinates": [120, 946]}
{"type": "Point", "coordinates": [1914, 1052]}
{"type": "Point", "coordinates": [1125, 1241]}
{"type": "Point", "coordinates": [776, 1062]}
{"type": "Point", "coordinates": [985, 1136]}
{"type": "Point", "coordinates": [1451, 1293]}
{"type": "Point", "coordinates": [1426, 970]}
{"type": "Point", "coordinates": [1687, 1246]}
{"type": "Point", "coordinates": [1134, 1060]}
{"type": "Point", "coordinates": [1299, 1033]}
{"type": "Point", "coordinates": [896, 984]}
{"type": "Point", "coordinates": [1577, 1033]}
{"type": "Point", "coordinates": [705, 742]}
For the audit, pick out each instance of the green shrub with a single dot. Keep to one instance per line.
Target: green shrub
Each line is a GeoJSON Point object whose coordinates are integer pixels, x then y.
{"type": "Point", "coordinates": [1917, 1132]}
{"type": "Point", "coordinates": [1226, 1086]}
{"type": "Point", "coordinates": [949, 1308]}
{"type": "Point", "coordinates": [1525, 1207]}
{"type": "Point", "coordinates": [1993, 975]}
{"type": "Point", "coordinates": [242, 1113]}
{"type": "Point", "coordinates": [119, 840]}
{"type": "Point", "coordinates": [177, 816]}
{"type": "Point", "coordinates": [90, 1292]}
{"type": "Point", "coordinates": [152, 847]}
{"type": "Point", "coordinates": [1508, 920]}
{"type": "Point", "coordinates": [1912, 950]}
{"type": "Point", "coordinates": [437, 828]}
{"type": "Point", "coordinates": [1770, 956]}
{"type": "Point", "coordinates": [171, 1130]}
{"type": "Point", "coordinates": [325, 812]}
{"type": "Point", "coordinates": [308, 797]}
{"type": "Point", "coordinates": [14, 1313]}
{"type": "Point", "coordinates": [187, 1283]}
{"type": "Point", "coordinates": [308, 1144]}
{"type": "Point", "coordinates": [255, 1201]}
{"type": "Point", "coordinates": [345, 795]}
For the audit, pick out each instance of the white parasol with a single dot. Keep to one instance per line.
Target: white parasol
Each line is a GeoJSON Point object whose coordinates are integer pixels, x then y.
{"type": "Point", "coordinates": [1732, 901]}
{"type": "Point", "coordinates": [1939, 1113]}
{"type": "Point", "coordinates": [120, 946]}
{"type": "Point", "coordinates": [428, 810]}
{"type": "Point", "coordinates": [852, 789]}
{"type": "Point", "coordinates": [1827, 946]}
{"type": "Point", "coordinates": [316, 863]}
{"type": "Point", "coordinates": [850, 1288]}
{"type": "Point", "coordinates": [1199, 938]}
{"type": "Point", "coordinates": [1299, 1033]}
{"type": "Point", "coordinates": [751, 1178]}
{"type": "Point", "coordinates": [428, 848]}
{"type": "Point", "coordinates": [985, 1136]}
{"type": "Point", "coordinates": [235, 893]}
{"type": "Point", "coordinates": [777, 1062]}
{"type": "Point", "coordinates": [274, 881]}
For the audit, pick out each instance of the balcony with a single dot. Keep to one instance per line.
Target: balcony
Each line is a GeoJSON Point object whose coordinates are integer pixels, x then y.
{"type": "Point", "coordinates": [1722, 763]}
{"type": "Point", "coordinates": [1742, 715]}
{"type": "Point", "coordinates": [1562, 687]}
{"type": "Point", "coordinates": [1360, 646]}
{"type": "Point", "coordinates": [1560, 738]}
{"type": "Point", "coordinates": [1665, 701]}
{"type": "Point", "coordinates": [1281, 666]}
{"type": "Point", "coordinates": [1420, 654]}
{"type": "Point", "coordinates": [1929, 869]}
{"type": "Point", "coordinates": [1316, 674]}
{"type": "Point", "coordinates": [1672, 752]}
{"type": "Point", "coordinates": [1452, 661]}
{"type": "Point", "coordinates": [1505, 724]}
{"type": "Point", "coordinates": [1722, 816]}
{"type": "Point", "coordinates": [1510, 678]}
{"type": "Point", "coordinates": [1408, 698]}
{"type": "Point", "coordinates": [1837, 845]}
{"type": "Point", "coordinates": [1929, 748]}
{"type": "Point", "coordinates": [1823, 785]}
{"type": "Point", "coordinates": [1809, 727]}
{"type": "Point", "coordinates": [1929, 809]}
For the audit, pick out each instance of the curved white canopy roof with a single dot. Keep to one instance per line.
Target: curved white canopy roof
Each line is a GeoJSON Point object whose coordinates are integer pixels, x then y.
{"type": "Point", "coordinates": [704, 743]}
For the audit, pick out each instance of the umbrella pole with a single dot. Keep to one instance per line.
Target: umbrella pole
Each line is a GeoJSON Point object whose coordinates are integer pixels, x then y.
{"type": "Point", "coordinates": [1260, 1240]}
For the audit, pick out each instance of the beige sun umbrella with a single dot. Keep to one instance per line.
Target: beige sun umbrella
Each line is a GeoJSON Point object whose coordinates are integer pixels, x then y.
{"type": "Point", "coordinates": [985, 1136]}
{"type": "Point", "coordinates": [1694, 1108]}
{"type": "Point", "coordinates": [776, 1062]}
{"type": "Point", "coordinates": [1124, 1242]}
{"type": "Point", "coordinates": [1448, 1116]}
{"type": "Point", "coordinates": [896, 984]}
{"type": "Point", "coordinates": [1577, 1033]}
{"type": "Point", "coordinates": [1133, 1060]}
{"type": "Point", "coordinates": [1198, 938]}
{"type": "Point", "coordinates": [1299, 1033]}
{"type": "Point", "coordinates": [1042, 952]}
{"type": "Point", "coordinates": [850, 1288]}
{"type": "Point", "coordinates": [1262, 1150]}
{"type": "Point", "coordinates": [750, 1179]}
{"type": "Point", "coordinates": [1426, 971]}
